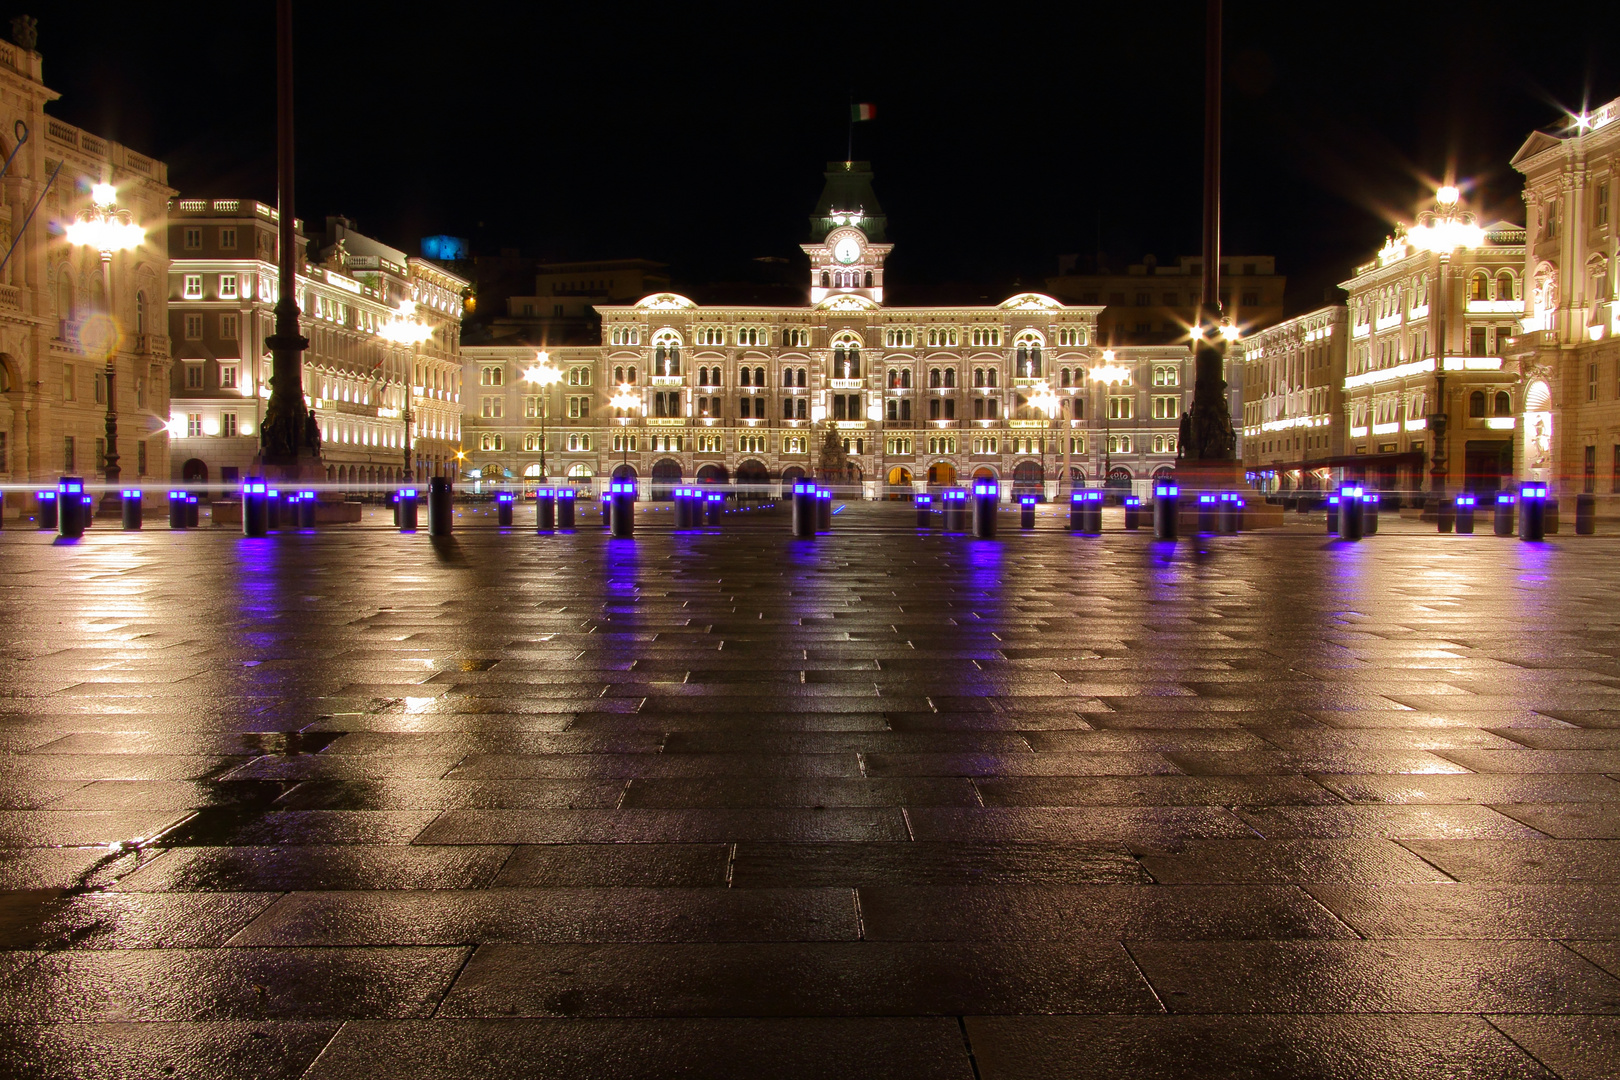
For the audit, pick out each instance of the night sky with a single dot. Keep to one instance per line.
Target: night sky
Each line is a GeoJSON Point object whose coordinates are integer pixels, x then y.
{"type": "Point", "coordinates": [1006, 134]}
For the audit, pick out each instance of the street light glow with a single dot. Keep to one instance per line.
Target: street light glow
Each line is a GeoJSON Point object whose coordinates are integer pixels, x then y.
{"type": "Point", "coordinates": [104, 196]}
{"type": "Point", "coordinates": [403, 328]}
{"type": "Point", "coordinates": [1447, 195]}
{"type": "Point", "coordinates": [1111, 373]}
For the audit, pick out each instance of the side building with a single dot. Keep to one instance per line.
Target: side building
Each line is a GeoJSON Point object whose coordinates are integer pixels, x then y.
{"type": "Point", "coordinates": [1150, 302]}
{"type": "Point", "coordinates": [1569, 354]}
{"type": "Point", "coordinates": [364, 386]}
{"type": "Point", "coordinates": [69, 317]}
{"type": "Point", "coordinates": [1292, 419]}
{"type": "Point", "coordinates": [1428, 334]}
{"type": "Point", "coordinates": [1021, 392]}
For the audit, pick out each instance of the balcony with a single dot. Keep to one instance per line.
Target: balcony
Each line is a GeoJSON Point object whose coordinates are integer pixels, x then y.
{"type": "Point", "coordinates": [847, 384]}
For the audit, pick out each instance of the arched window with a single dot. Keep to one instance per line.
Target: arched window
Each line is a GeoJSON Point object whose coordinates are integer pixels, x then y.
{"type": "Point", "coordinates": [1504, 286]}
{"type": "Point", "coordinates": [892, 409]}
{"type": "Point", "coordinates": [759, 376]}
{"type": "Point", "coordinates": [990, 377]}
{"type": "Point", "coordinates": [869, 279]}
{"type": "Point", "coordinates": [666, 353]}
{"type": "Point", "coordinates": [854, 362]}
{"type": "Point", "coordinates": [905, 379]}
{"type": "Point", "coordinates": [950, 376]}
{"type": "Point", "coordinates": [934, 377]}
{"type": "Point", "coordinates": [140, 312]}
{"type": "Point", "coordinates": [1504, 404]}
{"type": "Point", "coordinates": [826, 280]}
{"type": "Point", "coordinates": [978, 376]}
{"type": "Point", "coordinates": [744, 377]}
{"type": "Point", "coordinates": [894, 379]}
{"type": "Point", "coordinates": [1476, 403]}
{"type": "Point", "coordinates": [803, 374]}
{"type": "Point", "coordinates": [618, 375]}
{"type": "Point", "coordinates": [1064, 378]}
{"type": "Point", "coordinates": [1479, 287]}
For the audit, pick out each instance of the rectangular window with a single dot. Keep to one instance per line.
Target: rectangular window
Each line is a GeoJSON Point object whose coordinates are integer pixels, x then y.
{"type": "Point", "coordinates": [492, 408]}
{"type": "Point", "coordinates": [193, 425]}
{"type": "Point", "coordinates": [193, 237]}
{"type": "Point", "coordinates": [1603, 203]}
{"type": "Point", "coordinates": [227, 286]}
{"type": "Point", "coordinates": [227, 238]}
{"type": "Point", "coordinates": [1476, 341]}
{"type": "Point", "coordinates": [1119, 408]}
{"type": "Point", "coordinates": [534, 406]}
{"type": "Point", "coordinates": [101, 454]}
{"type": "Point", "coordinates": [1249, 299]}
{"type": "Point", "coordinates": [140, 457]}
{"type": "Point", "coordinates": [98, 383]}
{"type": "Point", "coordinates": [1591, 382]}
{"type": "Point", "coordinates": [69, 454]}
{"type": "Point", "coordinates": [227, 376]}
{"type": "Point", "coordinates": [193, 290]}
{"type": "Point", "coordinates": [194, 376]}
{"type": "Point", "coordinates": [70, 390]}
{"type": "Point", "coordinates": [579, 408]}
{"type": "Point", "coordinates": [140, 392]}
{"type": "Point", "coordinates": [194, 327]}
{"type": "Point", "coordinates": [227, 425]}
{"type": "Point", "coordinates": [1166, 408]}
{"type": "Point", "coordinates": [228, 326]}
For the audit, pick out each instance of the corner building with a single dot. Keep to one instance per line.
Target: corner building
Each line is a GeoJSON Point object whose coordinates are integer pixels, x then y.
{"type": "Point", "coordinates": [917, 396]}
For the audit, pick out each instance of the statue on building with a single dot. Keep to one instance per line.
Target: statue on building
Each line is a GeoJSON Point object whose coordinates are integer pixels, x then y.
{"type": "Point", "coordinates": [25, 31]}
{"type": "Point", "coordinates": [1185, 435]}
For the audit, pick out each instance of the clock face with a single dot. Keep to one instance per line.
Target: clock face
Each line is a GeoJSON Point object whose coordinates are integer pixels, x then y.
{"type": "Point", "coordinates": [847, 250]}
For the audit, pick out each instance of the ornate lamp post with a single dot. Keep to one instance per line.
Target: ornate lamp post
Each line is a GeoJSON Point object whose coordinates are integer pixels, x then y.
{"type": "Point", "coordinates": [626, 401]}
{"type": "Point", "coordinates": [1442, 232]}
{"type": "Point", "coordinates": [404, 329]}
{"type": "Point", "coordinates": [105, 228]}
{"type": "Point", "coordinates": [1048, 404]}
{"type": "Point", "coordinates": [1109, 375]}
{"type": "Point", "coordinates": [543, 375]}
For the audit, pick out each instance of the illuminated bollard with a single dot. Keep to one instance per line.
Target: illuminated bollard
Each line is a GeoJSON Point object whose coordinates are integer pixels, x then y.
{"type": "Point", "coordinates": [1091, 521]}
{"type": "Point", "coordinates": [47, 509]}
{"type": "Point", "coordinates": [955, 515]}
{"type": "Point", "coordinates": [1206, 512]}
{"type": "Point", "coordinates": [1351, 509]}
{"type": "Point", "coordinates": [1369, 513]}
{"type": "Point", "coordinates": [605, 507]}
{"type": "Point", "coordinates": [272, 507]}
{"type": "Point", "coordinates": [406, 511]}
{"type": "Point", "coordinates": [545, 510]}
{"type": "Point", "coordinates": [1077, 509]}
{"type": "Point", "coordinates": [177, 509]}
{"type": "Point", "coordinates": [804, 509]}
{"type": "Point", "coordinates": [1465, 513]}
{"type": "Point", "coordinates": [255, 515]}
{"type": "Point", "coordinates": [1133, 512]}
{"type": "Point", "coordinates": [687, 507]}
{"type": "Point", "coordinates": [70, 513]}
{"type": "Point", "coordinates": [1585, 515]}
{"type": "Point", "coordinates": [1026, 511]}
{"type": "Point", "coordinates": [1166, 508]}
{"type": "Point", "coordinates": [1332, 504]}
{"type": "Point", "coordinates": [306, 510]}
{"type": "Point", "coordinates": [1504, 513]}
{"type": "Point", "coordinates": [131, 509]}
{"type": "Point", "coordinates": [89, 510]}
{"type": "Point", "coordinates": [565, 508]}
{"type": "Point", "coordinates": [503, 508]}
{"type": "Point", "coordinates": [1532, 511]}
{"type": "Point", "coordinates": [193, 512]}
{"type": "Point", "coordinates": [622, 507]}
{"type": "Point", "coordinates": [824, 500]}
{"type": "Point", "coordinates": [984, 509]}
{"type": "Point", "coordinates": [925, 511]}
{"type": "Point", "coordinates": [441, 507]}
{"type": "Point", "coordinates": [715, 502]}
{"type": "Point", "coordinates": [1226, 508]}
{"type": "Point", "coordinates": [1445, 515]}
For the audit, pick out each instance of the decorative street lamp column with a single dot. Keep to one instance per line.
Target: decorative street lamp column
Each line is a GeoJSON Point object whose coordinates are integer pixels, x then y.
{"type": "Point", "coordinates": [289, 438]}
{"type": "Point", "coordinates": [105, 228]}
{"type": "Point", "coordinates": [544, 376]}
{"type": "Point", "coordinates": [1442, 232]}
{"type": "Point", "coordinates": [404, 329]}
{"type": "Point", "coordinates": [626, 401]}
{"type": "Point", "coordinates": [1109, 375]}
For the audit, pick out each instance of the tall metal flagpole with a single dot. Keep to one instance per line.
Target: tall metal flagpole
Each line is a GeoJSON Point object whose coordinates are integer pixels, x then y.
{"type": "Point", "coordinates": [1212, 437]}
{"type": "Point", "coordinates": [289, 439]}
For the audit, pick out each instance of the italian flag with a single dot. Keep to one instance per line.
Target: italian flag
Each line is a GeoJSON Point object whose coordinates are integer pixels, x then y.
{"type": "Point", "coordinates": [862, 112]}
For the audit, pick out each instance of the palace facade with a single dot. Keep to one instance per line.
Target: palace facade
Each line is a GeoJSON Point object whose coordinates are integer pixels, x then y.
{"type": "Point", "coordinates": [1020, 391]}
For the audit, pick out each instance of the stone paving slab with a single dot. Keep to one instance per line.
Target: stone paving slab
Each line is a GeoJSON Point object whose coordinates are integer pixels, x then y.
{"type": "Point", "coordinates": [882, 804]}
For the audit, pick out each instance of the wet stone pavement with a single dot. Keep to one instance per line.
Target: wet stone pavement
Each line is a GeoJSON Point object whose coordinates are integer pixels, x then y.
{"type": "Point", "coordinates": [351, 804]}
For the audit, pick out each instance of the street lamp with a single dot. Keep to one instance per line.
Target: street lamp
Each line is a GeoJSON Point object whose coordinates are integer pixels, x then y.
{"type": "Point", "coordinates": [1443, 231]}
{"type": "Point", "coordinates": [1048, 403]}
{"type": "Point", "coordinates": [404, 329]}
{"type": "Point", "coordinates": [105, 228]}
{"type": "Point", "coordinates": [626, 401]}
{"type": "Point", "coordinates": [1110, 375]}
{"type": "Point", "coordinates": [542, 374]}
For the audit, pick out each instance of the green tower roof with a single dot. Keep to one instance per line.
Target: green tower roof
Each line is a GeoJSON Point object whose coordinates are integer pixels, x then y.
{"type": "Point", "coordinates": [848, 191]}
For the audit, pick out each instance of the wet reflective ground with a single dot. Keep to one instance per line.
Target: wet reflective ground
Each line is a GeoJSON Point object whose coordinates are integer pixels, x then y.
{"type": "Point", "coordinates": [350, 804]}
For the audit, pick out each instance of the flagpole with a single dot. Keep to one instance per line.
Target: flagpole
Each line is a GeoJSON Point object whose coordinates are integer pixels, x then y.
{"type": "Point", "coordinates": [850, 150]}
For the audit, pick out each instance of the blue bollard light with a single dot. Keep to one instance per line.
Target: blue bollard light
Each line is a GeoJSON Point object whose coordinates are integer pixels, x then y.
{"type": "Point", "coordinates": [1207, 503]}
{"type": "Point", "coordinates": [1532, 511]}
{"type": "Point", "coordinates": [984, 509]}
{"type": "Point", "coordinates": [925, 510]}
{"type": "Point", "coordinates": [1133, 512]}
{"type": "Point", "coordinates": [1505, 503]}
{"type": "Point", "coordinates": [565, 507]}
{"type": "Point", "coordinates": [1466, 504]}
{"type": "Point", "coordinates": [177, 510]}
{"type": "Point", "coordinates": [130, 508]}
{"type": "Point", "coordinates": [714, 502]}
{"type": "Point", "coordinates": [623, 507]}
{"type": "Point", "coordinates": [503, 508]}
{"type": "Point", "coordinates": [255, 514]}
{"type": "Point", "coordinates": [70, 513]}
{"type": "Point", "coordinates": [409, 512]}
{"type": "Point", "coordinates": [306, 509]}
{"type": "Point", "coordinates": [1166, 510]}
{"type": "Point", "coordinates": [804, 509]}
{"type": "Point", "coordinates": [1332, 503]}
{"type": "Point", "coordinates": [1091, 523]}
{"type": "Point", "coordinates": [47, 508]}
{"type": "Point", "coordinates": [1351, 509]}
{"type": "Point", "coordinates": [1026, 511]}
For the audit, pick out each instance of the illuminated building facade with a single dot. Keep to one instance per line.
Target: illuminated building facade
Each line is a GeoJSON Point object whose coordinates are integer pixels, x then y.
{"type": "Point", "coordinates": [63, 312]}
{"type": "Point", "coordinates": [1569, 352]}
{"type": "Point", "coordinates": [1395, 353]}
{"type": "Point", "coordinates": [916, 395]}
{"type": "Point", "coordinates": [1292, 421]}
{"type": "Point", "coordinates": [221, 299]}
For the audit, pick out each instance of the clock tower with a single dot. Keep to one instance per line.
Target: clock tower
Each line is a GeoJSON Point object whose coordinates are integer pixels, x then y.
{"type": "Point", "coordinates": [848, 236]}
